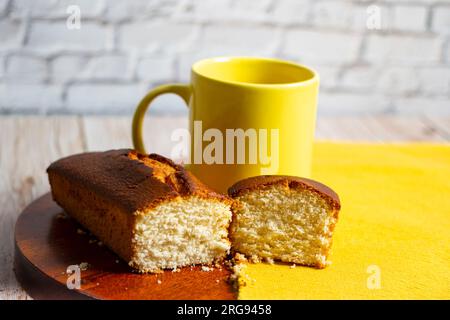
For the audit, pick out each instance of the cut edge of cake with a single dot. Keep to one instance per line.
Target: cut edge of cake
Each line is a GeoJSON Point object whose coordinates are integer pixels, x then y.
{"type": "Point", "coordinates": [283, 218]}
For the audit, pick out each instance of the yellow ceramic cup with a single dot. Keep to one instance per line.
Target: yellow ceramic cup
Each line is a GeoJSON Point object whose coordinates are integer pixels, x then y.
{"type": "Point", "coordinates": [274, 103]}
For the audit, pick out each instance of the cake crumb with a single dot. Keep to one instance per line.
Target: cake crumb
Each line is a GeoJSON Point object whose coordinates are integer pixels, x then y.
{"type": "Point", "coordinates": [239, 257]}
{"type": "Point", "coordinates": [91, 241]}
{"type": "Point", "coordinates": [159, 281]}
{"type": "Point", "coordinates": [84, 266]}
{"type": "Point", "coordinates": [269, 260]}
{"type": "Point", "coordinates": [217, 281]}
{"type": "Point", "coordinates": [117, 261]}
{"type": "Point", "coordinates": [81, 231]}
{"type": "Point", "coordinates": [176, 270]}
{"type": "Point", "coordinates": [254, 259]}
{"type": "Point", "coordinates": [61, 215]}
{"type": "Point", "coordinates": [238, 277]}
{"type": "Point", "coordinates": [293, 266]}
{"type": "Point", "coordinates": [100, 243]}
{"type": "Point", "coordinates": [206, 269]}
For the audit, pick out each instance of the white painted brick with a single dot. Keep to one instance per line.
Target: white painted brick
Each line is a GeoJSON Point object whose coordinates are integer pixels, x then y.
{"type": "Point", "coordinates": [251, 9]}
{"type": "Point", "coordinates": [155, 69]}
{"type": "Point", "coordinates": [66, 68]}
{"type": "Point", "coordinates": [11, 33]}
{"type": "Point", "coordinates": [446, 54]}
{"type": "Point", "coordinates": [252, 6]}
{"type": "Point", "coordinates": [359, 77]}
{"type": "Point", "coordinates": [2, 66]}
{"type": "Point", "coordinates": [386, 80]}
{"type": "Point", "coordinates": [164, 36]}
{"type": "Point", "coordinates": [104, 98]}
{"type": "Point", "coordinates": [441, 19]}
{"type": "Point", "coordinates": [223, 10]}
{"type": "Point", "coordinates": [410, 18]}
{"type": "Point", "coordinates": [422, 106]}
{"type": "Point", "coordinates": [339, 14]}
{"type": "Point", "coordinates": [202, 11]}
{"type": "Point", "coordinates": [107, 67]}
{"type": "Point", "coordinates": [119, 10]}
{"type": "Point", "coordinates": [328, 76]}
{"type": "Point", "coordinates": [26, 69]}
{"type": "Point", "coordinates": [406, 1]}
{"type": "Point", "coordinates": [341, 104]}
{"type": "Point", "coordinates": [434, 81]}
{"type": "Point", "coordinates": [54, 36]}
{"type": "Point", "coordinates": [401, 60]}
{"type": "Point", "coordinates": [56, 8]}
{"type": "Point", "coordinates": [227, 40]}
{"type": "Point", "coordinates": [403, 49]}
{"type": "Point", "coordinates": [291, 12]}
{"type": "Point", "coordinates": [37, 98]}
{"type": "Point", "coordinates": [397, 80]}
{"type": "Point", "coordinates": [3, 6]}
{"type": "Point", "coordinates": [319, 47]}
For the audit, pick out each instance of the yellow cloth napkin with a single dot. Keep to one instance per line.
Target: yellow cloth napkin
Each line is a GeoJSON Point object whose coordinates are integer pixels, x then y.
{"type": "Point", "coordinates": [392, 240]}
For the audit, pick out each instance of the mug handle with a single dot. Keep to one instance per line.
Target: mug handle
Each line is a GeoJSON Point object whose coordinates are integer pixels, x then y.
{"type": "Point", "coordinates": [182, 90]}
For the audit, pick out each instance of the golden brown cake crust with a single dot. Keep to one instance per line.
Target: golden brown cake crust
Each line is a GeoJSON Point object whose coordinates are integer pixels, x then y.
{"type": "Point", "coordinates": [258, 182]}
{"type": "Point", "coordinates": [130, 180]}
{"type": "Point", "coordinates": [106, 191]}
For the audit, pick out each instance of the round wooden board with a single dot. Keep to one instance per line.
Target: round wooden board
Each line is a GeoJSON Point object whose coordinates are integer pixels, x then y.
{"type": "Point", "coordinates": [46, 243]}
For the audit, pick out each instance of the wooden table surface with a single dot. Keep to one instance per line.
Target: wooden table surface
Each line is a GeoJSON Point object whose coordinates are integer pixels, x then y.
{"type": "Point", "coordinates": [28, 144]}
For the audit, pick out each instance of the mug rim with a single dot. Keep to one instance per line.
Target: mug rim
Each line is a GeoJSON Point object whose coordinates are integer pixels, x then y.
{"type": "Point", "coordinates": [315, 76]}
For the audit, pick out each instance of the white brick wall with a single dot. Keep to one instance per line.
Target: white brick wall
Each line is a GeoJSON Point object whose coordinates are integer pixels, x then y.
{"type": "Point", "coordinates": [54, 8]}
{"type": "Point", "coordinates": [441, 19]}
{"type": "Point", "coordinates": [156, 69]}
{"type": "Point", "coordinates": [88, 98]}
{"type": "Point", "coordinates": [26, 69]}
{"type": "Point", "coordinates": [66, 68]}
{"type": "Point", "coordinates": [313, 47]}
{"type": "Point", "coordinates": [124, 48]}
{"type": "Point", "coordinates": [403, 49]}
{"type": "Point", "coordinates": [410, 18]}
{"type": "Point", "coordinates": [107, 67]}
{"type": "Point", "coordinates": [53, 36]}
{"type": "Point", "coordinates": [31, 98]}
{"type": "Point", "coordinates": [291, 12]}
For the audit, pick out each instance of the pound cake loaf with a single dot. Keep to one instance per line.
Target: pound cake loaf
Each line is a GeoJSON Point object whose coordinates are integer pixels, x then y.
{"type": "Point", "coordinates": [283, 218]}
{"type": "Point", "coordinates": [150, 211]}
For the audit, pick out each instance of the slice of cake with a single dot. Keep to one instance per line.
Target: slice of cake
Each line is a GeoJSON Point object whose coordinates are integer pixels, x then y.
{"type": "Point", "coordinates": [150, 211]}
{"type": "Point", "coordinates": [283, 218]}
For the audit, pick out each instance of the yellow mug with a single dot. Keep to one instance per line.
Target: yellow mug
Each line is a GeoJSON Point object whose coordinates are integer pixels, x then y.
{"type": "Point", "coordinates": [247, 116]}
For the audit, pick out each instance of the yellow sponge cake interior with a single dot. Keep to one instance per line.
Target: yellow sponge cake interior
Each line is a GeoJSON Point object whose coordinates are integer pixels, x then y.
{"type": "Point", "coordinates": [283, 218]}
